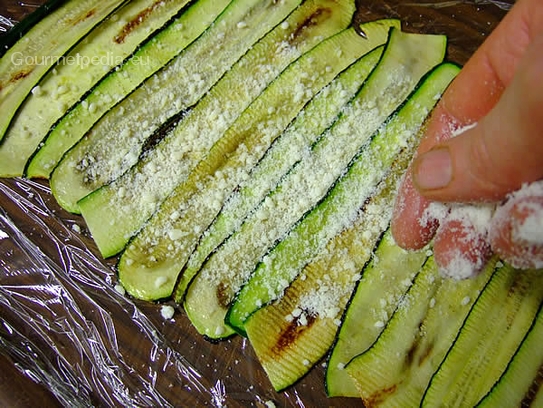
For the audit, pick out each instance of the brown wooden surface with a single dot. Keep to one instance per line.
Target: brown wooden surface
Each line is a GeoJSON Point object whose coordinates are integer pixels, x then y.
{"type": "Point", "coordinates": [232, 361]}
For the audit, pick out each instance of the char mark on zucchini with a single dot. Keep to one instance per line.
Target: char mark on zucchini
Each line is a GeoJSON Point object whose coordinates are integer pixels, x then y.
{"type": "Point", "coordinates": [535, 388]}
{"type": "Point", "coordinates": [292, 332]}
{"type": "Point", "coordinates": [133, 24]}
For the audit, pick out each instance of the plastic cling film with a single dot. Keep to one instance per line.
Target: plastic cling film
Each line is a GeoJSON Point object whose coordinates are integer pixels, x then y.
{"type": "Point", "coordinates": [66, 325]}
{"type": "Point", "coordinates": [64, 321]}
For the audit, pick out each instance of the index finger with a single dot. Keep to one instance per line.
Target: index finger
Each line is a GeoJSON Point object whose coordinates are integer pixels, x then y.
{"type": "Point", "coordinates": [470, 97]}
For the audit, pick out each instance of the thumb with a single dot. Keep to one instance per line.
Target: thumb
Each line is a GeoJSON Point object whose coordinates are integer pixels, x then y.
{"type": "Point", "coordinates": [497, 155]}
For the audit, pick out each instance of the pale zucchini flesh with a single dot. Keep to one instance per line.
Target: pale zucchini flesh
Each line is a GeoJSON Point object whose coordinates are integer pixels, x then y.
{"type": "Point", "coordinates": [197, 201]}
{"type": "Point", "coordinates": [157, 51]}
{"type": "Point", "coordinates": [103, 49]}
{"type": "Point", "coordinates": [187, 144]}
{"type": "Point", "coordinates": [30, 58]}
{"type": "Point", "coordinates": [521, 383]}
{"type": "Point", "coordinates": [307, 315]}
{"type": "Point", "coordinates": [397, 368]}
{"type": "Point", "coordinates": [383, 283]}
{"type": "Point", "coordinates": [367, 162]}
{"type": "Point", "coordinates": [321, 290]}
{"type": "Point", "coordinates": [227, 269]}
{"type": "Point", "coordinates": [114, 143]}
{"type": "Point", "coordinates": [488, 339]}
{"type": "Point", "coordinates": [320, 113]}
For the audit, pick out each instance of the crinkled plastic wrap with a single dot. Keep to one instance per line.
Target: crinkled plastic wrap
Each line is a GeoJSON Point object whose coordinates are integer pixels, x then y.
{"type": "Point", "coordinates": [66, 326]}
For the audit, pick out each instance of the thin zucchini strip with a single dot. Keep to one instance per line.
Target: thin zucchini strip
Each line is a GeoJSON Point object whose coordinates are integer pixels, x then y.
{"type": "Point", "coordinates": [520, 384]}
{"type": "Point", "coordinates": [197, 201]}
{"type": "Point", "coordinates": [134, 197]}
{"type": "Point", "coordinates": [30, 58]}
{"type": "Point", "coordinates": [319, 114]}
{"type": "Point", "coordinates": [20, 29]}
{"type": "Point", "coordinates": [488, 340]}
{"type": "Point", "coordinates": [341, 203]}
{"type": "Point", "coordinates": [308, 182]}
{"type": "Point", "coordinates": [148, 59]}
{"type": "Point", "coordinates": [104, 48]}
{"type": "Point", "coordinates": [384, 282]}
{"type": "Point", "coordinates": [396, 369]}
{"type": "Point", "coordinates": [115, 142]}
{"type": "Point", "coordinates": [290, 335]}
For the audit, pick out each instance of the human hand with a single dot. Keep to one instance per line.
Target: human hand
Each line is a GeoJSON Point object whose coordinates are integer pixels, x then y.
{"type": "Point", "coordinates": [496, 103]}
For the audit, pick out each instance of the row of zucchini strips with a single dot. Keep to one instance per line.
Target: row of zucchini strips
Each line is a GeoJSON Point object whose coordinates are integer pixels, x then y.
{"type": "Point", "coordinates": [241, 157]}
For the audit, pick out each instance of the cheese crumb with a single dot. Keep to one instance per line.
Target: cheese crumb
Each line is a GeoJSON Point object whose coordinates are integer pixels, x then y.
{"type": "Point", "coordinates": [167, 312]}
{"type": "Point", "coordinates": [120, 289]}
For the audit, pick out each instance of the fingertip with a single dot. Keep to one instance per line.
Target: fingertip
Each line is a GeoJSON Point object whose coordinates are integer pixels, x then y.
{"type": "Point", "coordinates": [516, 232]}
{"type": "Point", "coordinates": [410, 228]}
{"type": "Point", "coordinates": [460, 251]}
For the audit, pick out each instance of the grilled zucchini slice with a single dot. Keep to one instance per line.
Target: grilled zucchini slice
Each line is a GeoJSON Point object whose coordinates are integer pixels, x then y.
{"type": "Point", "coordinates": [488, 339]}
{"type": "Point", "coordinates": [31, 57]}
{"type": "Point", "coordinates": [319, 114]}
{"type": "Point", "coordinates": [397, 368]}
{"type": "Point", "coordinates": [116, 141]}
{"type": "Point", "coordinates": [157, 51]}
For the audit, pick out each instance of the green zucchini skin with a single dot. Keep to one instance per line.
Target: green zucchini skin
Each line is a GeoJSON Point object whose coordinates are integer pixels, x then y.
{"type": "Point", "coordinates": [109, 43]}
{"type": "Point", "coordinates": [376, 297]}
{"type": "Point", "coordinates": [20, 29]}
{"type": "Point", "coordinates": [282, 263]}
{"type": "Point", "coordinates": [193, 137]}
{"type": "Point", "coordinates": [116, 141]}
{"type": "Point", "coordinates": [488, 339]}
{"type": "Point", "coordinates": [198, 199]}
{"type": "Point", "coordinates": [306, 316]}
{"type": "Point", "coordinates": [68, 24]}
{"type": "Point", "coordinates": [312, 121]}
{"type": "Point", "coordinates": [520, 384]}
{"type": "Point", "coordinates": [397, 367]}
{"type": "Point", "coordinates": [291, 334]}
{"type": "Point", "coordinates": [151, 56]}
{"type": "Point", "coordinates": [227, 268]}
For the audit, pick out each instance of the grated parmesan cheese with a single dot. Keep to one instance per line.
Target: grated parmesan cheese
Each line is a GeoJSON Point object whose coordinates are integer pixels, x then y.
{"type": "Point", "coordinates": [167, 312]}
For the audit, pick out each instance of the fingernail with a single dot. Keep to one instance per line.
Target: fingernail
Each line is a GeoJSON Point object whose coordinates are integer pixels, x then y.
{"type": "Point", "coordinates": [433, 169]}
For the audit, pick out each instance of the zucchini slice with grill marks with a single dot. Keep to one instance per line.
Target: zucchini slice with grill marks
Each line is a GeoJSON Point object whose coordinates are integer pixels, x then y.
{"type": "Point", "coordinates": [31, 57]}
{"type": "Point", "coordinates": [521, 383]}
{"type": "Point", "coordinates": [20, 29]}
{"type": "Point", "coordinates": [134, 197]}
{"type": "Point", "coordinates": [396, 369]}
{"type": "Point", "coordinates": [341, 203]}
{"type": "Point", "coordinates": [306, 317]}
{"type": "Point", "coordinates": [156, 52]}
{"type": "Point", "coordinates": [294, 332]}
{"type": "Point", "coordinates": [488, 339]}
{"type": "Point", "coordinates": [115, 142]}
{"type": "Point", "coordinates": [316, 117]}
{"type": "Point", "coordinates": [226, 271]}
{"type": "Point", "coordinates": [197, 201]}
{"type": "Point", "coordinates": [383, 283]}
{"type": "Point", "coordinates": [103, 49]}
